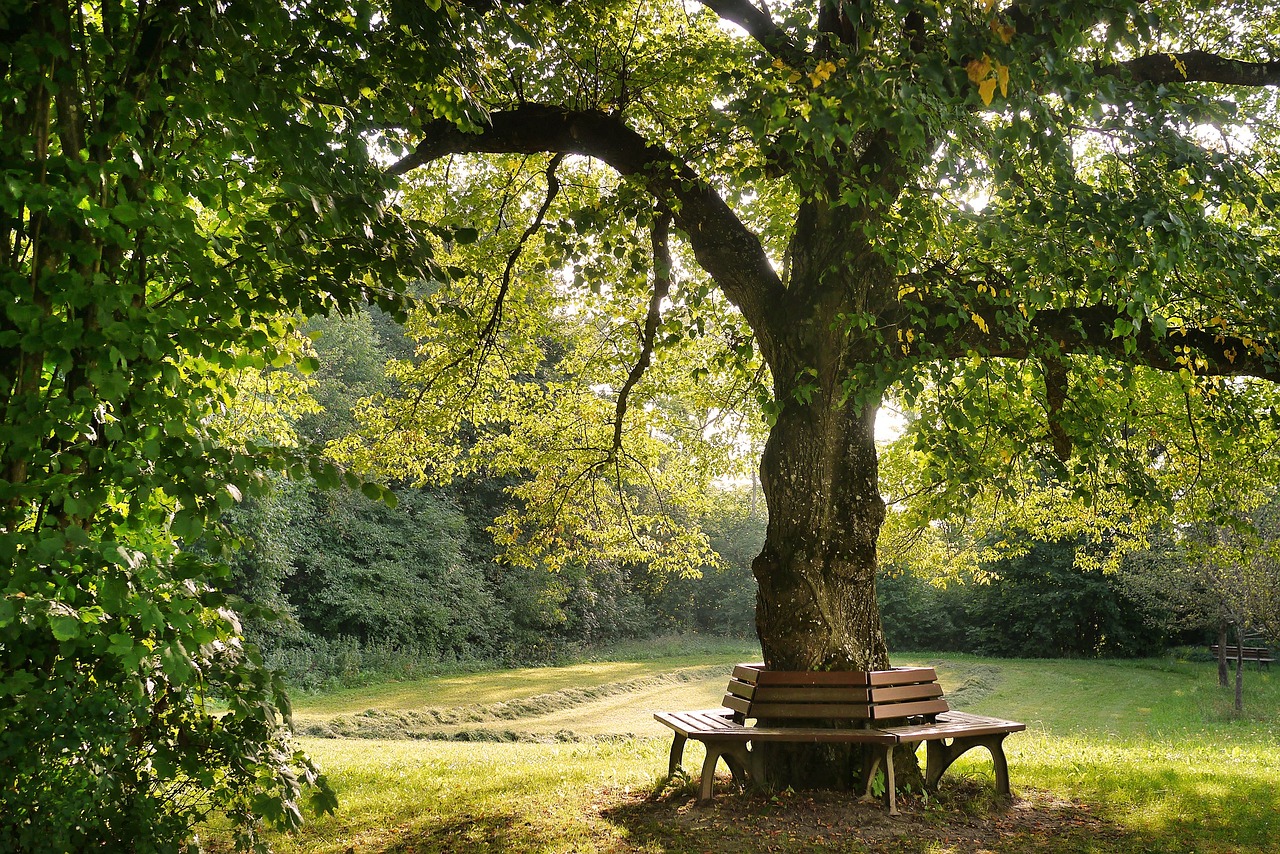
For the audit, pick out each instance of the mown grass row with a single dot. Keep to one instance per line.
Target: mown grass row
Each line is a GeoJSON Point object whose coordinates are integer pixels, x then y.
{"type": "Point", "coordinates": [1118, 757]}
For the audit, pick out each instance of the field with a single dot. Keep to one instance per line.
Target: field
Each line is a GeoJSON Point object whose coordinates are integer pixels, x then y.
{"type": "Point", "coordinates": [1119, 756]}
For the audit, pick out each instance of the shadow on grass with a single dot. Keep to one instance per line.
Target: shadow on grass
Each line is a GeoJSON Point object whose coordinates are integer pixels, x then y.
{"type": "Point", "coordinates": [462, 835]}
{"type": "Point", "coordinates": [966, 817]}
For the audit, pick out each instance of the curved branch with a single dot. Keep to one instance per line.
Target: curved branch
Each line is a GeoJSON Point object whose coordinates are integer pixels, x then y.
{"type": "Point", "coordinates": [760, 25]}
{"type": "Point", "coordinates": [659, 233]}
{"type": "Point", "coordinates": [1196, 66]}
{"type": "Point", "coordinates": [724, 247]}
{"type": "Point", "coordinates": [489, 333]}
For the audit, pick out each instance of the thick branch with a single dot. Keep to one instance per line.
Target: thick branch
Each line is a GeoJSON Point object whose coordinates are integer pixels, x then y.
{"type": "Point", "coordinates": [1197, 66]}
{"type": "Point", "coordinates": [1089, 330]}
{"type": "Point", "coordinates": [760, 25]}
{"type": "Point", "coordinates": [724, 247]}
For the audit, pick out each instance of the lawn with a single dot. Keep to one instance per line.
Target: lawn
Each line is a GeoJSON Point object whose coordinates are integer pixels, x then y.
{"type": "Point", "coordinates": [1118, 757]}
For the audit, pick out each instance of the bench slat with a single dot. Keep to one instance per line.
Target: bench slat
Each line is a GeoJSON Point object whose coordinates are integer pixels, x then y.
{"type": "Point", "coordinates": [739, 704]}
{"type": "Point", "coordinates": [811, 694]}
{"type": "Point", "coordinates": [809, 710]}
{"type": "Point", "coordinates": [738, 688]}
{"type": "Point", "coordinates": [818, 735]}
{"type": "Point", "coordinates": [906, 710]}
{"type": "Point", "coordinates": [902, 676]}
{"type": "Point", "coordinates": [956, 724]}
{"type": "Point", "coordinates": [900, 693]}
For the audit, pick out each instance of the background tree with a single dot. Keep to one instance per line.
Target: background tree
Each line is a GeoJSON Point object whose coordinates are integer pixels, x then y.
{"type": "Point", "coordinates": [1009, 208]}
{"type": "Point", "coordinates": [179, 182]}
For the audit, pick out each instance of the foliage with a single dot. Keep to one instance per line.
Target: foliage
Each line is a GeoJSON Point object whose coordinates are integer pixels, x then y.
{"type": "Point", "coordinates": [177, 187]}
{"type": "Point", "coordinates": [1044, 602]}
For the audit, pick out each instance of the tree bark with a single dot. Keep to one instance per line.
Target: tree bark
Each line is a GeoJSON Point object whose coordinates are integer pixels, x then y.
{"type": "Point", "coordinates": [1239, 705]}
{"type": "Point", "coordinates": [1222, 655]}
{"type": "Point", "coordinates": [816, 604]}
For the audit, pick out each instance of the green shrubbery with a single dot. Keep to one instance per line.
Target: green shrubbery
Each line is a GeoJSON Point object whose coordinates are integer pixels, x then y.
{"type": "Point", "coordinates": [1039, 605]}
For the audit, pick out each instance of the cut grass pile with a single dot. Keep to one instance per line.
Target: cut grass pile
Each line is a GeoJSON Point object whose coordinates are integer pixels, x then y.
{"type": "Point", "coordinates": [1118, 757]}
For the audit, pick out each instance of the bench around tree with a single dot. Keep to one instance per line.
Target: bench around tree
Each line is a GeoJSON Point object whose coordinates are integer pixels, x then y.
{"type": "Point", "coordinates": [879, 710]}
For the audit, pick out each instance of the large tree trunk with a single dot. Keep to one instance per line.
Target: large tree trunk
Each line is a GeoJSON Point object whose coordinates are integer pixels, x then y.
{"type": "Point", "coordinates": [816, 605]}
{"type": "Point", "coordinates": [816, 600]}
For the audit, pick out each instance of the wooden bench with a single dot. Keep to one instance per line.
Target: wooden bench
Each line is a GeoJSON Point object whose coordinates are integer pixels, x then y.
{"type": "Point", "coordinates": [879, 710]}
{"type": "Point", "coordinates": [1259, 654]}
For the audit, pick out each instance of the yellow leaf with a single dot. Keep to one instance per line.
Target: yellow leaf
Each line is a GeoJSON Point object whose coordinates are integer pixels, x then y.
{"type": "Point", "coordinates": [1178, 64]}
{"type": "Point", "coordinates": [911, 335]}
{"type": "Point", "coordinates": [986, 89]}
{"type": "Point", "coordinates": [977, 69]}
{"type": "Point", "coordinates": [904, 290]}
{"type": "Point", "coordinates": [988, 5]}
{"type": "Point", "coordinates": [1003, 31]}
{"type": "Point", "coordinates": [820, 74]}
{"type": "Point", "coordinates": [794, 76]}
{"type": "Point", "coordinates": [1002, 76]}
{"type": "Point", "coordinates": [982, 324]}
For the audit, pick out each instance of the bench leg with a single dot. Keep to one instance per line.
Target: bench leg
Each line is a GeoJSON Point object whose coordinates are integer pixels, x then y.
{"type": "Point", "coordinates": [677, 754]}
{"type": "Point", "coordinates": [873, 758]}
{"type": "Point", "coordinates": [735, 756]}
{"type": "Point", "coordinates": [939, 755]}
{"type": "Point", "coordinates": [890, 783]}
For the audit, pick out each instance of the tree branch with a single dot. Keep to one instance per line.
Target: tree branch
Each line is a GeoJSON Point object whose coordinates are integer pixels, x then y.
{"type": "Point", "coordinates": [724, 247]}
{"type": "Point", "coordinates": [1196, 66]}
{"type": "Point", "coordinates": [1090, 330]}
{"type": "Point", "coordinates": [659, 233]}
{"type": "Point", "coordinates": [760, 25]}
{"type": "Point", "coordinates": [490, 331]}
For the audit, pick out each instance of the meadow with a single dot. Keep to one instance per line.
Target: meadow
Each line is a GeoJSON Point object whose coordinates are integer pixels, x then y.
{"type": "Point", "coordinates": [1119, 756]}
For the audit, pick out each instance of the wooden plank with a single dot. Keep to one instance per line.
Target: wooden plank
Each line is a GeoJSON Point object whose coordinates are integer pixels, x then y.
{"type": "Point", "coordinates": [738, 704]}
{"type": "Point", "coordinates": [906, 710]}
{"type": "Point", "coordinates": [810, 710]}
{"type": "Point", "coordinates": [738, 688]}
{"type": "Point", "coordinates": [956, 725]}
{"type": "Point", "coordinates": [902, 676]}
{"type": "Point", "coordinates": [818, 735]}
{"type": "Point", "coordinates": [812, 694]}
{"type": "Point", "coordinates": [899, 693]}
{"type": "Point", "coordinates": [812, 677]}
{"type": "Point", "coordinates": [748, 673]}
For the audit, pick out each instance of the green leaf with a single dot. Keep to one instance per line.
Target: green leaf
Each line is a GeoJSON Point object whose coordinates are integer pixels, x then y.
{"type": "Point", "coordinates": [65, 627]}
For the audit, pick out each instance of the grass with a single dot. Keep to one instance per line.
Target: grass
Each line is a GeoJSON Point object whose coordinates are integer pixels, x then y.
{"type": "Point", "coordinates": [1118, 757]}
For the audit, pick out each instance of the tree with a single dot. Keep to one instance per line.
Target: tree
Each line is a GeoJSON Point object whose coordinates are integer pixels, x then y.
{"type": "Point", "coordinates": [1028, 202]}
{"type": "Point", "coordinates": [179, 186]}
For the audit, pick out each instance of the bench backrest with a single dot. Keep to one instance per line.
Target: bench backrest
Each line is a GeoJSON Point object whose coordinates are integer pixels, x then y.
{"type": "Point", "coordinates": [902, 692]}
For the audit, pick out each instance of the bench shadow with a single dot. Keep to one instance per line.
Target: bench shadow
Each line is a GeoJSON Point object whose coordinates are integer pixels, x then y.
{"type": "Point", "coordinates": [965, 816]}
